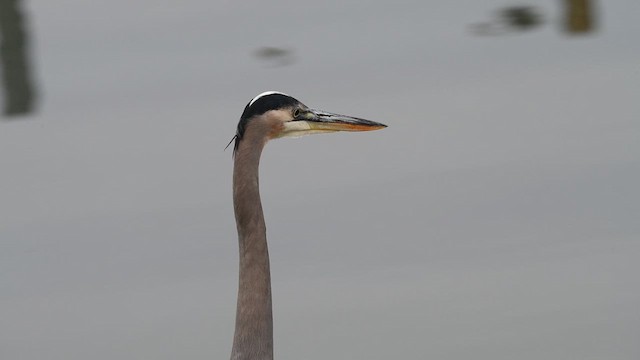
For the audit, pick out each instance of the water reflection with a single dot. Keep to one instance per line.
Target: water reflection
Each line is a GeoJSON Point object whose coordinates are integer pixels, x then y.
{"type": "Point", "coordinates": [580, 16]}
{"type": "Point", "coordinates": [509, 19]}
{"type": "Point", "coordinates": [19, 93]}
{"type": "Point", "coordinates": [275, 56]}
{"type": "Point", "coordinates": [578, 19]}
{"type": "Point", "coordinates": [521, 17]}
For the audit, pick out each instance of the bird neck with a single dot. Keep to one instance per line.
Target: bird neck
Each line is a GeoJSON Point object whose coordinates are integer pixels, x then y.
{"type": "Point", "coordinates": [253, 339]}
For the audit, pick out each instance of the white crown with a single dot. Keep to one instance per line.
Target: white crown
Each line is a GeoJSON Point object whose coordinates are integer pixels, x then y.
{"type": "Point", "coordinates": [265, 94]}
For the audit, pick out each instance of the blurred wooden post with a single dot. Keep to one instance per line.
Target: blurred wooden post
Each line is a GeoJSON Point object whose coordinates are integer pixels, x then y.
{"type": "Point", "coordinates": [579, 16]}
{"type": "Point", "coordinates": [16, 79]}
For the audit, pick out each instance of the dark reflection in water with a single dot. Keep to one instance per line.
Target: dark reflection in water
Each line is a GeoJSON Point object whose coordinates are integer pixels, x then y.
{"type": "Point", "coordinates": [19, 94]}
{"type": "Point", "coordinates": [521, 17]}
{"type": "Point", "coordinates": [579, 16]}
{"type": "Point", "coordinates": [511, 19]}
{"type": "Point", "coordinates": [578, 19]}
{"type": "Point", "coordinates": [275, 56]}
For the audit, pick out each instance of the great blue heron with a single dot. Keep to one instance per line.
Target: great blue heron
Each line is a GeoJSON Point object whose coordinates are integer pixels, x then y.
{"type": "Point", "coordinates": [268, 116]}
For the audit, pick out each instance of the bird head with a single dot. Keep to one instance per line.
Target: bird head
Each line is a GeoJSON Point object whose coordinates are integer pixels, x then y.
{"type": "Point", "coordinates": [275, 115]}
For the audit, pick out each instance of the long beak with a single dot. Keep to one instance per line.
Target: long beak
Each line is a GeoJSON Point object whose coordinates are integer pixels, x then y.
{"type": "Point", "coordinates": [335, 122]}
{"type": "Point", "coordinates": [318, 122]}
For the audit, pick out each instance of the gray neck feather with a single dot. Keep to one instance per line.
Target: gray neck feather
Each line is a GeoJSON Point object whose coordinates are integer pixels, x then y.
{"type": "Point", "coordinates": [253, 339]}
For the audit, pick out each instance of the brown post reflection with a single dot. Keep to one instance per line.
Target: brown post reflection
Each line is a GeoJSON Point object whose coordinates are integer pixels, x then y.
{"type": "Point", "coordinates": [16, 76]}
{"type": "Point", "coordinates": [579, 16]}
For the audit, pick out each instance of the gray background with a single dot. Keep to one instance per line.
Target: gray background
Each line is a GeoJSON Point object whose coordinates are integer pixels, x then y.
{"type": "Point", "coordinates": [496, 218]}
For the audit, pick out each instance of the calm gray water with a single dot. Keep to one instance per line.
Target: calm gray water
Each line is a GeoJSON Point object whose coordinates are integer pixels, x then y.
{"type": "Point", "coordinates": [497, 217]}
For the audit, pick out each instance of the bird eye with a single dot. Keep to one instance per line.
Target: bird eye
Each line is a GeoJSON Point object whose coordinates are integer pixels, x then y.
{"type": "Point", "coordinates": [296, 113]}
